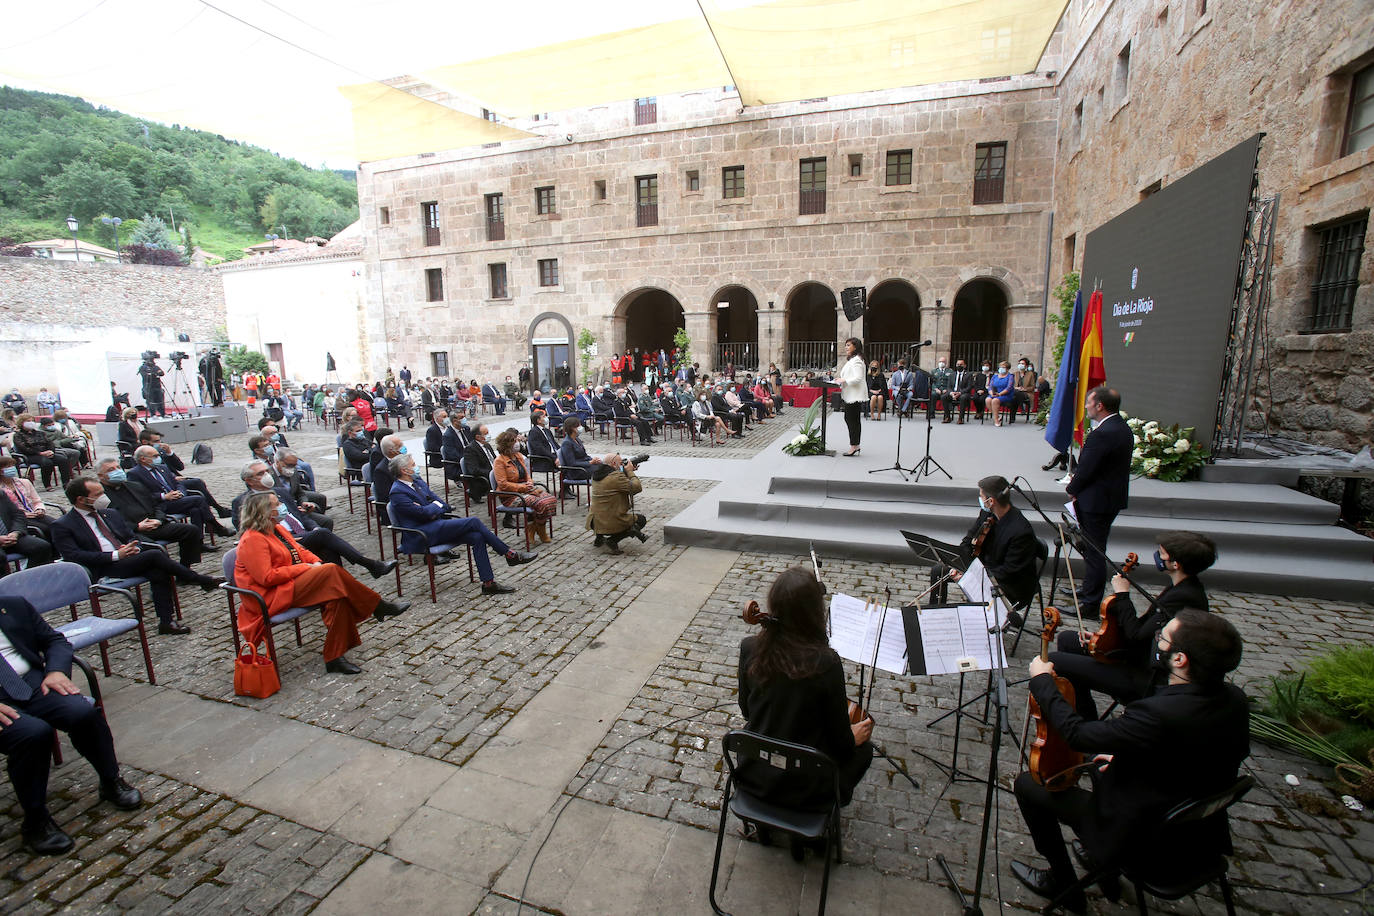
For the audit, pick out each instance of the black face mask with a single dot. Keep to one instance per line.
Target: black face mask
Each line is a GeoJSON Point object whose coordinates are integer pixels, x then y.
{"type": "Point", "coordinates": [1159, 658]}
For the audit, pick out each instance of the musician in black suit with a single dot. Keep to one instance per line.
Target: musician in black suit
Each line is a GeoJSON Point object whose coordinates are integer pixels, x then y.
{"type": "Point", "coordinates": [146, 515]}
{"type": "Point", "coordinates": [1100, 487]}
{"type": "Point", "coordinates": [36, 696]}
{"type": "Point", "coordinates": [1008, 550]}
{"type": "Point", "coordinates": [1184, 741]}
{"type": "Point", "coordinates": [1127, 674]}
{"type": "Point", "coordinates": [100, 540]}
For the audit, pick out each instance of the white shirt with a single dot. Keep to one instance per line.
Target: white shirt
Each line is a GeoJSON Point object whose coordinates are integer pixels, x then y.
{"type": "Point", "coordinates": [19, 663]}
{"type": "Point", "coordinates": [100, 538]}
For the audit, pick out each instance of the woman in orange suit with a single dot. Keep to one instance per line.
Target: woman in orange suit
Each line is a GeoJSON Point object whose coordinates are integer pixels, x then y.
{"type": "Point", "coordinates": [270, 562]}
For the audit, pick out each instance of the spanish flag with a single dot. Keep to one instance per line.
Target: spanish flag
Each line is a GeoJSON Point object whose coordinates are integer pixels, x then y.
{"type": "Point", "coordinates": [1092, 370]}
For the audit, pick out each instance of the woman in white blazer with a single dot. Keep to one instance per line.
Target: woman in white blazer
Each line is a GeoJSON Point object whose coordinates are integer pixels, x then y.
{"type": "Point", "coordinates": [853, 390]}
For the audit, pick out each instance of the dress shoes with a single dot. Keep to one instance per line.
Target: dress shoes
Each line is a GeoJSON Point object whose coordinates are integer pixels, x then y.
{"type": "Point", "coordinates": [120, 794]}
{"type": "Point", "coordinates": [223, 512]}
{"type": "Point", "coordinates": [441, 558]}
{"type": "Point", "coordinates": [210, 583]}
{"type": "Point", "coordinates": [390, 609]}
{"type": "Point", "coordinates": [224, 531]}
{"type": "Point", "coordinates": [643, 538]}
{"type": "Point", "coordinates": [209, 548]}
{"type": "Point", "coordinates": [341, 665]}
{"type": "Point", "coordinates": [600, 539]}
{"type": "Point", "coordinates": [496, 588]}
{"type": "Point", "coordinates": [613, 548]}
{"type": "Point", "coordinates": [1040, 881]}
{"type": "Point", "coordinates": [172, 629]}
{"type": "Point", "coordinates": [517, 557]}
{"type": "Point", "coordinates": [1109, 884]}
{"type": "Point", "coordinates": [43, 837]}
{"type": "Point", "coordinates": [381, 568]}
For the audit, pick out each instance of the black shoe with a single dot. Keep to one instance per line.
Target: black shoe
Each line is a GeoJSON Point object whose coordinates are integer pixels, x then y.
{"type": "Point", "coordinates": [1040, 881]}
{"type": "Point", "coordinates": [516, 557]}
{"type": "Point", "coordinates": [390, 609]}
{"type": "Point", "coordinates": [210, 583]}
{"type": "Point", "coordinates": [172, 629]}
{"type": "Point", "coordinates": [441, 559]}
{"type": "Point", "coordinates": [1109, 884]}
{"type": "Point", "coordinates": [120, 794]}
{"type": "Point", "coordinates": [614, 547]}
{"type": "Point", "coordinates": [45, 838]}
{"type": "Point", "coordinates": [209, 548]}
{"type": "Point", "coordinates": [510, 522]}
{"type": "Point", "coordinates": [381, 568]}
{"type": "Point", "coordinates": [496, 588]}
{"type": "Point", "coordinates": [600, 539]}
{"type": "Point", "coordinates": [223, 512]}
{"type": "Point", "coordinates": [224, 531]}
{"type": "Point", "coordinates": [341, 665]}
{"type": "Point", "coordinates": [643, 538]}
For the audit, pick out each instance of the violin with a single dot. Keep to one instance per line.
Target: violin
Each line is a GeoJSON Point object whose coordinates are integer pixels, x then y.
{"type": "Point", "coordinates": [1107, 639]}
{"type": "Point", "coordinates": [1053, 764]}
{"type": "Point", "coordinates": [983, 531]}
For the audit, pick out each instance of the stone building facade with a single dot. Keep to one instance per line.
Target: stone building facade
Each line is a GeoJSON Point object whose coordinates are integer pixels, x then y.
{"type": "Point", "coordinates": [1148, 91]}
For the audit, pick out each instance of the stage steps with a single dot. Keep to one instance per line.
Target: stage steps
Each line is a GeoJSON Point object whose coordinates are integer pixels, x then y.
{"type": "Point", "coordinates": [1271, 540]}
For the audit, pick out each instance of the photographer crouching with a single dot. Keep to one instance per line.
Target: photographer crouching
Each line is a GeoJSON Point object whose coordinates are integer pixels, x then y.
{"type": "Point", "coordinates": [609, 513]}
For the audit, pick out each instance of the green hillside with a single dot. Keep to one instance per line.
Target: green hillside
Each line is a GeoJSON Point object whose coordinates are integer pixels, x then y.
{"type": "Point", "coordinates": [61, 156]}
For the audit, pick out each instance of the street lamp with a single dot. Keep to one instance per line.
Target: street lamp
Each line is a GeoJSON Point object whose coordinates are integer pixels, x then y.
{"type": "Point", "coordinates": [72, 225]}
{"type": "Point", "coordinates": [114, 221]}
{"type": "Point", "coordinates": [272, 237]}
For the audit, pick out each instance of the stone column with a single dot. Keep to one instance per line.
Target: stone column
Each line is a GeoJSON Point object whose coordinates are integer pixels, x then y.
{"type": "Point", "coordinates": [772, 337]}
{"type": "Point", "coordinates": [700, 330]}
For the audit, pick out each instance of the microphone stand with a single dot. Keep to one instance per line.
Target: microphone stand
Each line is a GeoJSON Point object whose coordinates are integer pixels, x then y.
{"type": "Point", "coordinates": [897, 465]}
{"type": "Point", "coordinates": [927, 466]}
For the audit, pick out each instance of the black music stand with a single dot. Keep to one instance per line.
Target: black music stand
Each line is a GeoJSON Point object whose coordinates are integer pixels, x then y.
{"type": "Point", "coordinates": [826, 386]}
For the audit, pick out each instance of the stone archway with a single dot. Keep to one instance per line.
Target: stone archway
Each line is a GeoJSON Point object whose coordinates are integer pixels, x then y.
{"type": "Point", "coordinates": [737, 328]}
{"type": "Point", "coordinates": [550, 344]}
{"type": "Point", "coordinates": [650, 317]}
{"type": "Point", "coordinates": [979, 323]}
{"type": "Point", "coordinates": [893, 322]}
{"type": "Point", "coordinates": [811, 327]}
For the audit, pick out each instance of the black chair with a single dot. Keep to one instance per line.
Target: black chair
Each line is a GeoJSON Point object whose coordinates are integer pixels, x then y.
{"type": "Point", "coordinates": [741, 746]}
{"type": "Point", "coordinates": [435, 460]}
{"type": "Point", "coordinates": [1183, 875]}
{"type": "Point", "coordinates": [574, 480]}
{"type": "Point", "coordinates": [546, 465]}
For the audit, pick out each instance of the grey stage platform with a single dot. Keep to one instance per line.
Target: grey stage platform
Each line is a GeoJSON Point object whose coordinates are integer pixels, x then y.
{"type": "Point", "coordinates": [222, 421]}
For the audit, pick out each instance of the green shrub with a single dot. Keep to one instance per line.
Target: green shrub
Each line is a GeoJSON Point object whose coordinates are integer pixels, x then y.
{"type": "Point", "coordinates": [1345, 679]}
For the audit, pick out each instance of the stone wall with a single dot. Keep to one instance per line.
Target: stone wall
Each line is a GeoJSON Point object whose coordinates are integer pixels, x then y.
{"type": "Point", "coordinates": [46, 306]}
{"type": "Point", "coordinates": [1200, 82]}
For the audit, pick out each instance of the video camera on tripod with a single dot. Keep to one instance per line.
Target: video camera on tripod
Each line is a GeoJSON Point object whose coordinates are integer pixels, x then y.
{"type": "Point", "coordinates": [177, 356]}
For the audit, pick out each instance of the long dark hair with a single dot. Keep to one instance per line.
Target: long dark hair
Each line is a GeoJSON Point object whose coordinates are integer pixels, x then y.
{"type": "Point", "coordinates": [793, 643]}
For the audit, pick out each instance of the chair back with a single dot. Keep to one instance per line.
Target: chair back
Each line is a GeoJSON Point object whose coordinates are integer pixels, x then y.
{"type": "Point", "coordinates": [227, 564]}
{"type": "Point", "coordinates": [1198, 809]}
{"type": "Point", "coordinates": [805, 765]}
{"type": "Point", "coordinates": [367, 473]}
{"type": "Point", "coordinates": [50, 586]}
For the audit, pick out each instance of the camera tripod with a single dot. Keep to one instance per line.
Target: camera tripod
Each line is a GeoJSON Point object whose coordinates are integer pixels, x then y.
{"type": "Point", "coordinates": [180, 386]}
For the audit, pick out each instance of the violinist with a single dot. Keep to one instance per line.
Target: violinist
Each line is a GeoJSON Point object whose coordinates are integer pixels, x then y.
{"type": "Point", "coordinates": [1127, 675]}
{"type": "Point", "coordinates": [791, 687]}
{"type": "Point", "coordinates": [1185, 741]}
{"type": "Point", "coordinates": [1002, 539]}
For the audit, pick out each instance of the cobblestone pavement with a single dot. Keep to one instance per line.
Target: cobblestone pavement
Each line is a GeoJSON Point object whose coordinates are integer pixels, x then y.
{"type": "Point", "coordinates": [184, 851]}
{"type": "Point", "coordinates": [674, 769]}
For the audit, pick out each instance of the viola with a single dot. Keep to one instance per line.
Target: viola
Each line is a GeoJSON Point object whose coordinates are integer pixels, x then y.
{"type": "Point", "coordinates": [1108, 639]}
{"type": "Point", "coordinates": [983, 531]}
{"type": "Point", "coordinates": [1053, 764]}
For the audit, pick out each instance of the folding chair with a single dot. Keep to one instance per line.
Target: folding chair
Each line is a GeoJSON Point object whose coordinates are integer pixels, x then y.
{"type": "Point", "coordinates": [54, 585]}
{"type": "Point", "coordinates": [290, 615]}
{"type": "Point", "coordinates": [520, 512]}
{"type": "Point", "coordinates": [797, 760]}
{"type": "Point", "coordinates": [1042, 557]}
{"type": "Point", "coordinates": [429, 553]}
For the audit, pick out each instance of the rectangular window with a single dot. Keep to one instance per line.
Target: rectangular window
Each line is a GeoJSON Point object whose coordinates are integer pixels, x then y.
{"type": "Point", "coordinates": [856, 165]}
{"type": "Point", "coordinates": [498, 280]}
{"type": "Point", "coordinates": [488, 115]}
{"type": "Point", "coordinates": [812, 186]}
{"type": "Point", "coordinates": [1359, 125]}
{"type": "Point", "coordinates": [434, 284]}
{"type": "Point", "coordinates": [384, 217]}
{"type": "Point", "coordinates": [438, 363]}
{"type": "Point", "coordinates": [429, 218]}
{"type": "Point", "coordinates": [646, 200]}
{"type": "Point", "coordinates": [694, 180]}
{"type": "Point", "coordinates": [1340, 246]}
{"type": "Point", "coordinates": [599, 189]}
{"type": "Point", "coordinates": [898, 167]}
{"type": "Point", "coordinates": [646, 110]}
{"type": "Point", "coordinates": [545, 201]}
{"type": "Point", "coordinates": [1070, 251]}
{"type": "Point", "coordinates": [732, 181]}
{"type": "Point", "coordinates": [548, 272]}
{"type": "Point", "coordinates": [1123, 74]}
{"type": "Point", "coordinates": [989, 172]}
{"type": "Point", "coordinates": [496, 218]}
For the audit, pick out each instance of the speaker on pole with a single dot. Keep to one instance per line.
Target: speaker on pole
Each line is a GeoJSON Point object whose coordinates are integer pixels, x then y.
{"type": "Point", "coordinates": [853, 298]}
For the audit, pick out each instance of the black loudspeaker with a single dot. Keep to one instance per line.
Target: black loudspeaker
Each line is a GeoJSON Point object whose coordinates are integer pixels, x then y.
{"type": "Point", "coordinates": [853, 299]}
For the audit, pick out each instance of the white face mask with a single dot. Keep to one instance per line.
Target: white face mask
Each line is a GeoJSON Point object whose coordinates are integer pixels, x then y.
{"type": "Point", "coordinates": [1021, 366]}
{"type": "Point", "coordinates": [101, 502]}
{"type": "Point", "coordinates": [941, 364]}
{"type": "Point", "coordinates": [986, 368]}
{"type": "Point", "coordinates": [267, 480]}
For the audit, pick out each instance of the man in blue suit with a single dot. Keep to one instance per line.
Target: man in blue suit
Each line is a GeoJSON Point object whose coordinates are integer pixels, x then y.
{"type": "Point", "coordinates": [583, 402]}
{"type": "Point", "coordinates": [412, 504]}
{"type": "Point", "coordinates": [36, 696]}
{"type": "Point", "coordinates": [157, 478]}
{"type": "Point", "coordinates": [492, 395]}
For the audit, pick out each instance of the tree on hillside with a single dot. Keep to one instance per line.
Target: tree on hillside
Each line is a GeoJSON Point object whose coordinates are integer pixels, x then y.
{"type": "Point", "coordinates": [152, 232]}
{"type": "Point", "coordinates": [86, 190]}
{"type": "Point", "coordinates": [306, 212]}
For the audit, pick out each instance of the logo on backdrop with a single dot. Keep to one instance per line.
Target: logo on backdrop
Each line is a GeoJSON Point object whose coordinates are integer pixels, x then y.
{"type": "Point", "coordinates": [1131, 313]}
{"type": "Point", "coordinates": [1135, 275]}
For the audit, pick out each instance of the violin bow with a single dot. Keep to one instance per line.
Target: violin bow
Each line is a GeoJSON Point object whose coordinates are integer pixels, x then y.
{"type": "Point", "coordinates": [1073, 589]}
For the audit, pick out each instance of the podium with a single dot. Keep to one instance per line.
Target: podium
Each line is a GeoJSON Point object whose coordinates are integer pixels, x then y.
{"type": "Point", "coordinates": [826, 387]}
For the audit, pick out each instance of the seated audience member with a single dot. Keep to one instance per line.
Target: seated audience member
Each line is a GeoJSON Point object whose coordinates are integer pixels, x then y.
{"type": "Point", "coordinates": [648, 408]}
{"type": "Point", "coordinates": [150, 470]}
{"type": "Point", "coordinates": [178, 469]}
{"type": "Point", "coordinates": [99, 539]}
{"type": "Point", "coordinates": [146, 514]}
{"type": "Point", "coordinates": [492, 395]}
{"type": "Point", "coordinates": [541, 439]}
{"type": "Point", "coordinates": [480, 458]}
{"type": "Point", "coordinates": [877, 391]}
{"type": "Point", "coordinates": [512, 473]}
{"type": "Point", "coordinates": [21, 492]}
{"type": "Point", "coordinates": [792, 688]}
{"type": "Point", "coordinates": [572, 455]}
{"type": "Point", "coordinates": [1025, 381]}
{"type": "Point", "coordinates": [72, 449]}
{"type": "Point", "coordinates": [1001, 393]}
{"type": "Point", "coordinates": [73, 430]}
{"type": "Point", "coordinates": [287, 574]}
{"type": "Point", "coordinates": [30, 441]}
{"type": "Point", "coordinates": [434, 437]}
{"type": "Point", "coordinates": [361, 403]}
{"type": "Point", "coordinates": [36, 696]}
{"type": "Point", "coordinates": [47, 402]}
{"type": "Point", "coordinates": [583, 407]}
{"type": "Point", "coordinates": [15, 401]}
{"type": "Point", "coordinates": [16, 538]}
{"type": "Point", "coordinates": [357, 447]}
{"type": "Point", "coordinates": [610, 515]}
{"type": "Point", "coordinates": [455, 443]}
{"type": "Point", "coordinates": [129, 427]}
{"type": "Point", "coordinates": [389, 445]}
{"type": "Point", "coordinates": [761, 395]}
{"type": "Point", "coordinates": [306, 527]}
{"type": "Point", "coordinates": [537, 402]}
{"type": "Point", "coordinates": [722, 409]}
{"type": "Point", "coordinates": [625, 416]}
{"type": "Point", "coordinates": [414, 505]}
{"type": "Point", "coordinates": [512, 392]}
{"type": "Point", "coordinates": [288, 469]}
{"type": "Point", "coordinates": [705, 415]}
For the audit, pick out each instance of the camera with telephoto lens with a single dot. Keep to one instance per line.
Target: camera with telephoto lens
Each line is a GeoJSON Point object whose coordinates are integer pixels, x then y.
{"type": "Point", "coordinates": [637, 460]}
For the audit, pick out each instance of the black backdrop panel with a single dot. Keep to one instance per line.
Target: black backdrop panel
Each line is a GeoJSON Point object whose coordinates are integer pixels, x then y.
{"type": "Point", "coordinates": [1168, 269]}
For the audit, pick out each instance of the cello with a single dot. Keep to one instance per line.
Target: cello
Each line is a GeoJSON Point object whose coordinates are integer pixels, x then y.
{"type": "Point", "coordinates": [1107, 639]}
{"type": "Point", "coordinates": [1053, 764]}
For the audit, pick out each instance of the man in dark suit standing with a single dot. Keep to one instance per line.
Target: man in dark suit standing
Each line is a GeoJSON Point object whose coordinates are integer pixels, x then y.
{"type": "Point", "coordinates": [100, 540]}
{"type": "Point", "coordinates": [36, 696]}
{"type": "Point", "coordinates": [1100, 487]}
{"type": "Point", "coordinates": [145, 513]}
{"type": "Point", "coordinates": [1185, 741]}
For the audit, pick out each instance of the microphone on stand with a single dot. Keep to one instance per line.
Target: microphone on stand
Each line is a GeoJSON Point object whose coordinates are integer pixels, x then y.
{"type": "Point", "coordinates": [924, 343]}
{"type": "Point", "coordinates": [1030, 497]}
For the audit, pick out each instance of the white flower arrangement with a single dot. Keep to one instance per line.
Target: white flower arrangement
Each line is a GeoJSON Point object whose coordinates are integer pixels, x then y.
{"type": "Point", "coordinates": [1164, 452]}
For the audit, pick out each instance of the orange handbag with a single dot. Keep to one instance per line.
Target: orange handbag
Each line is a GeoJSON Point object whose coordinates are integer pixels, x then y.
{"type": "Point", "coordinates": [255, 675]}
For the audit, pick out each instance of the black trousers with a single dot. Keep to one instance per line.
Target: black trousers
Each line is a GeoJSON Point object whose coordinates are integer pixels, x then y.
{"type": "Point", "coordinates": [193, 506]}
{"type": "Point", "coordinates": [186, 537]}
{"type": "Point", "coordinates": [46, 466]}
{"type": "Point", "coordinates": [28, 742]}
{"type": "Point", "coordinates": [1044, 811]}
{"type": "Point", "coordinates": [196, 485]}
{"type": "Point", "coordinates": [1122, 682]}
{"type": "Point", "coordinates": [946, 401]}
{"type": "Point", "coordinates": [1096, 526]}
{"type": "Point", "coordinates": [852, 419]}
{"type": "Point", "coordinates": [975, 398]}
{"type": "Point", "coordinates": [632, 531]}
{"type": "Point", "coordinates": [331, 548]}
{"type": "Point", "coordinates": [161, 571]}
{"type": "Point", "coordinates": [33, 548]}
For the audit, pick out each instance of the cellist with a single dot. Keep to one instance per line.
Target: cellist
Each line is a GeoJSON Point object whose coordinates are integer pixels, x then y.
{"type": "Point", "coordinates": [1184, 741]}
{"type": "Point", "coordinates": [1002, 539]}
{"type": "Point", "coordinates": [1126, 676]}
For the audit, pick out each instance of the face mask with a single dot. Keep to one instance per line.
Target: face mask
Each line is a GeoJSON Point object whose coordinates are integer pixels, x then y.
{"type": "Point", "coordinates": [982, 507]}
{"type": "Point", "coordinates": [1159, 562]}
{"type": "Point", "coordinates": [281, 509]}
{"type": "Point", "coordinates": [101, 502]}
{"type": "Point", "coordinates": [115, 476]}
{"type": "Point", "coordinates": [31, 426]}
{"type": "Point", "coordinates": [447, 421]}
{"type": "Point", "coordinates": [361, 434]}
{"type": "Point", "coordinates": [11, 472]}
{"type": "Point", "coordinates": [1159, 659]}
{"type": "Point", "coordinates": [267, 480]}
{"type": "Point", "coordinates": [985, 368]}
{"type": "Point", "coordinates": [157, 460]}
{"type": "Point", "coordinates": [961, 368]}
{"type": "Point", "coordinates": [1001, 370]}
{"type": "Point", "coordinates": [940, 364]}
{"type": "Point", "coordinates": [276, 437]}
{"type": "Point", "coordinates": [270, 451]}
{"type": "Point", "coordinates": [403, 451]}
{"type": "Point", "coordinates": [1021, 366]}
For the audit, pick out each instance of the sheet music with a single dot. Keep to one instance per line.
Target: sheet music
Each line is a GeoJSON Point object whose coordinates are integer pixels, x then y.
{"type": "Point", "coordinates": [951, 633]}
{"type": "Point", "coordinates": [854, 631]}
{"type": "Point", "coordinates": [977, 585]}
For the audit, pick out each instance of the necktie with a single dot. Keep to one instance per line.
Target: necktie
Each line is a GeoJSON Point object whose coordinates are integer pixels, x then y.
{"type": "Point", "coordinates": [105, 529]}
{"type": "Point", "coordinates": [12, 683]}
{"type": "Point", "coordinates": [292, 525]}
